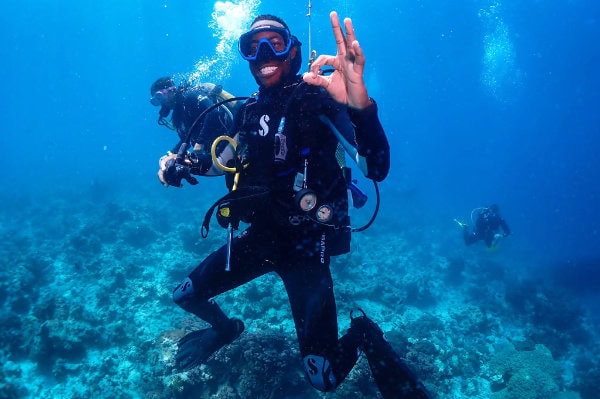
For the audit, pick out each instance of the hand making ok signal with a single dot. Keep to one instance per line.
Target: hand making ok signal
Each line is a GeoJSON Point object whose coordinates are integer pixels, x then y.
{"type": "Point", "coordinates": [345, 84]}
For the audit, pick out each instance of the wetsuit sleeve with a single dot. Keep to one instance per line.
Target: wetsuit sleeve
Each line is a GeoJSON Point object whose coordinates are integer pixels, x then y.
{"type": "Point", "coordinates": [371, 141]}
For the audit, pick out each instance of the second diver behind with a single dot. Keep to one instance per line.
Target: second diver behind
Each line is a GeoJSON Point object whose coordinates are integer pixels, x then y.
{"type": "Point", "coordinates": [489, 226]}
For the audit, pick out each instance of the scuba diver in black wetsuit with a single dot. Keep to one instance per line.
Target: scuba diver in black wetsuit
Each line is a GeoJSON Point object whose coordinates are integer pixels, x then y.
{"type": "Point", "coordinates": [290, 188]}
{"type": "Point", "coordinates": [488, 225]}
{"type": "Point", "coordinates": [186, 103]}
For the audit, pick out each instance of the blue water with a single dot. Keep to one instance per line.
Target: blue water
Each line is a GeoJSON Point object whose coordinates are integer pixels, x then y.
{"type": "Point", "coordinates": [484, 101]}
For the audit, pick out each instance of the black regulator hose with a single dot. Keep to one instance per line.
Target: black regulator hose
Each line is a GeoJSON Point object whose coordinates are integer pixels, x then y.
{"type": "Point", "coordinates": [375, 212]}
{"type": "Point", "coordinates": [185, 145]}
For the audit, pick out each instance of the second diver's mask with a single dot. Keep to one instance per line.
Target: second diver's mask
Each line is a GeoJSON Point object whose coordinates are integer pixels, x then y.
{"type": "Point", "coordinates": [160, 97]}
{"type": "Point", "coordinates": [275, 45]}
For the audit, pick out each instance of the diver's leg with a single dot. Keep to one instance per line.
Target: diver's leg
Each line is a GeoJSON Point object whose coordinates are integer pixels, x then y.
{"type": "Point", "coordinates": [491, 239]}
{"type": "Point", "coordinates": [469, 237]}
{"type": "Point", "coordinates": [309, 285]}
{"type": "Point", "coordinates": [209, 279]}
{"type": "Point", "coordinates": [327, 360]}
{"type": "Point", "coordinates": [195, 295]}
{"type": "Point", "coordinates": [393, 377]}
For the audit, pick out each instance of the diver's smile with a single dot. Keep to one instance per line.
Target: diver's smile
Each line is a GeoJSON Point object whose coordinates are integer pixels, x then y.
{"type": "Point", "coordinates": [268, 70]}
{"type": "Point", "coordinates": [268, 73]}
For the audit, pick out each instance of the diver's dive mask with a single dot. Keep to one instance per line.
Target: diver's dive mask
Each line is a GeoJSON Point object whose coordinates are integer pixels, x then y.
{"type": "Point", "coordinates": [275, 45]}
{"type": "Point", "coordinates": [160, 97]}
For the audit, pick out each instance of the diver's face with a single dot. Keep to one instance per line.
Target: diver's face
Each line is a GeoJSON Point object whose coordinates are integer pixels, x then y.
{"type": "Point", "coordinates": [164, 97]}
{"type": "Point", "coordinates": [270, 71]}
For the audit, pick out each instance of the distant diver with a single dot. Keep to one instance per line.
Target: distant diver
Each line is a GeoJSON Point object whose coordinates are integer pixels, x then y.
{"type": "Point", "coordinates": [489, 226]}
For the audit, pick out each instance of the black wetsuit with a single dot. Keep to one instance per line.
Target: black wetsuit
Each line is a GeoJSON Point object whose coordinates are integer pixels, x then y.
{"type": "Point", "coordinates": [487, 225]}
{"type": "Point", "coordinates": [281, 237]}
{"type": "Point", "coordinates": [190, 102]}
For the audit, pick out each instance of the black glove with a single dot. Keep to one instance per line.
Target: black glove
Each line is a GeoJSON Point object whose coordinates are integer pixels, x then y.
{"type": "Point", "coordinates": [175, 172]}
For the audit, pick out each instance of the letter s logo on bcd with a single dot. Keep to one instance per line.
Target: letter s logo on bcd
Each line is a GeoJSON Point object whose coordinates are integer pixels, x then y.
{"type": "Point", "coordinates": [264, 130]}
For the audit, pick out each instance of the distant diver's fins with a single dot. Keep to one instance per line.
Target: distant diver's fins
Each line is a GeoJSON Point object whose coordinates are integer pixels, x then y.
{"type": "Point", "coordinates": [198, 346]}
{"type": "Point", "coordinates": [495, 242]}
{"type": "Point", "coordinates": [461, 224]}
{"type": "Point", "coordinates": [392, 376]}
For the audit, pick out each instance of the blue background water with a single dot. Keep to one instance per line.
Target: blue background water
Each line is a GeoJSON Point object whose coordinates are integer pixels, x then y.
{"type": "Point", "coordinates": [76, 99]}
{"type": "Point", "coordinates": [483, 101]}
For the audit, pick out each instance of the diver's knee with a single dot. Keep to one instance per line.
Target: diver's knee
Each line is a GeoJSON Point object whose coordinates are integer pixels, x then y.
{"type": "Point", "coordinates": [319, 373]}
{"type": "Point", "coordinates": [183, 292]}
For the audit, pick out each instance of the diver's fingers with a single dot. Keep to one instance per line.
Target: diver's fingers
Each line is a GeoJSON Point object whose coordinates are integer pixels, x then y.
{"type": "Point", "coordinates": [359, 55]}
{"type": "Point", "coordinates": [161, 177]}
{"type": "Point", "coordinates": [316, 80]}
{"type": "Point", "coordinates": [162, 162]}
{"type": "Point", "coordinates": [340, 40]}
{"type": "Point", "coordinates": [350, 34]}
{"type": "Point", "coordinates": [323, 60]}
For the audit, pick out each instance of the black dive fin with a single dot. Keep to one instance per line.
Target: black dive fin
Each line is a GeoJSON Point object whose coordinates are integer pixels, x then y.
{"type": "Point", "coordinates": [392, 376]}
{"type": "Point", "coordinates": [198, 346]}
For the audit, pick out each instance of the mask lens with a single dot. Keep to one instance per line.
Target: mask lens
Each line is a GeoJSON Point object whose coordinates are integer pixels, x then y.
{"type": "Point", "coordinates": [160, 97]}
{"type": "Point", "coordinates": [278, 43]}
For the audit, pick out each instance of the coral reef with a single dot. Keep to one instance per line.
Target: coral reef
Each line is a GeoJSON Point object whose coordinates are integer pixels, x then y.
{"type": "Point", "coordinates": [524, 374]}
{"type": "Point", "coordinates": [87, 312]}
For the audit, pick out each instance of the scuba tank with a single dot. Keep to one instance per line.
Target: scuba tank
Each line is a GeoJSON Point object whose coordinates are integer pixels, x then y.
{"type": "Point", "coordinates": [218, 95]}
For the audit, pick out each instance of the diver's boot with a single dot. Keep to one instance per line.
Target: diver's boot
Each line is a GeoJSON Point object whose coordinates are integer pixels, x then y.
{"type": "Point", "coordinates": [393, 378]}
{"type": "Point", "coordinates": [198, 346]}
